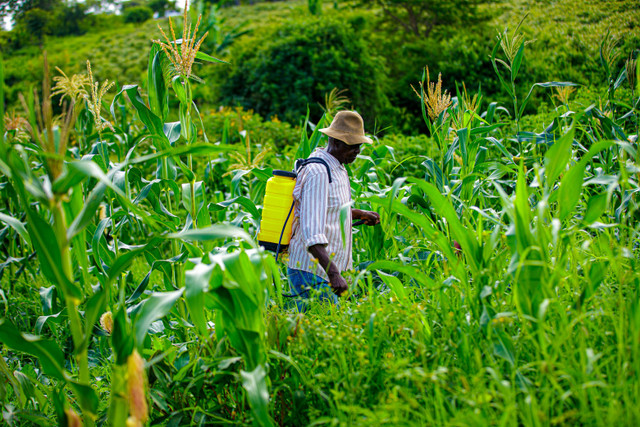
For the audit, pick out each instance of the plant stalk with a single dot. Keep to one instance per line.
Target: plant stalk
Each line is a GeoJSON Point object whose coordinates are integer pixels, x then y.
{"type": "Point", "coordinates": [75, 323]}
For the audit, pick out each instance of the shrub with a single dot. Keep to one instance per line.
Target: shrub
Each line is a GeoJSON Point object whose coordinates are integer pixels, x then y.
{"type": "Point", "coordinates": [101, 21]}
{"type": "Point", "coordinates": [67, 20]}
{"type": "Point", "coordinates": [459, 56]}
{"type": "Point", "coordinates": [161, 7]}
{"type": "Point", "coordinates": [274, 133]}
{"type": "Point", "coordinates": [5, 41]}
{"type": "Point", "coordinates": [36, 22]}
{"type": "Point", "coordinates": [298, 64]}
{"type": "Point", "coordinates": [137, 14]}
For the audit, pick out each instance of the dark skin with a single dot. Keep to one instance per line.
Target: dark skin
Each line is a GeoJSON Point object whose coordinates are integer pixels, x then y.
{"type": "Point", "coordinates": [345, 154]}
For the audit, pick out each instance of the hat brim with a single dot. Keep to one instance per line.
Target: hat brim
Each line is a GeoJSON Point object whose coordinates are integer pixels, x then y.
{"type": "Point", "coordinates": [347, 138]}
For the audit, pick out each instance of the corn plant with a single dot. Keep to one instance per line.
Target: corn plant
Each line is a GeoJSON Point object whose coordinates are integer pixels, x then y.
{"type": "Point", "coordinates": [513, 48]}
{"type": "Point", "coordinates": [65, 210]}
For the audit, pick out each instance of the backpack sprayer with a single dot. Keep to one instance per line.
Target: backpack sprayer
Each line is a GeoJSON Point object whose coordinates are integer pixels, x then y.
{"type": "Point", "coordinates": [276, 222]}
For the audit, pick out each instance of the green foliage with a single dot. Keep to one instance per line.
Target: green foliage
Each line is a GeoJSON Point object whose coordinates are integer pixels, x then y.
{"type": "Point", "coordinates": [36, 22]}
{"type": "Point", "coordinates": [564, 48]}
{"type": "Point", "coordinates": [220, 36]}
{"type": "Point", "coordinates": [16, 8]}
{"type": "Point", "coordinates": [137, 14]}
{"type": "Point", "coordinates": [421, 18]}
{"type": "Point", "coordinates": [69, 20]}
{"type": "Point", "coordinates": [315, 7]}
{"type": "Point", "coordinates": [271, 133]}
{"type": "Point", "coordinates": [306, 61]}
{"type": "Point", "coordinates": [161, 7]}
{"type": "Point", "coordinates": [501, 286]}
{"type": "Point", "coordinates": [49, 18]}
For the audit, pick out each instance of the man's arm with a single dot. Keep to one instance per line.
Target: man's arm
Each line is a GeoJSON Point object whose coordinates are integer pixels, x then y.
{"type": "Point", "coordinates": [338, 283]}
{"type": "Point", "coordinates": [369, 217]}
{"type": "Point", "coordinates": [313, 208]}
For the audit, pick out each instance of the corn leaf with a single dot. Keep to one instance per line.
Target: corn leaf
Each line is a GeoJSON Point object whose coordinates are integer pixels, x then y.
{"type": "Point", "coordinates": [102, 255]}
{"type": "Point", "coordinates": [94, 307]}
{"type": "Point", "coordinates": [45, 243]}
{"type": "Point", "coordinates": [2, 146]}
{"type": "Point", "coordinates": [570, 190]}
{"type": "Point", "coordinates": [17, 226]}
{"type": "Point", "coordinates": [199, 195]}
{"type": "Point", "coordinates": [123, 261]}
{"type": "Point", "coordinates": [208, 58]}
{"type": "Point", "coordinates": [517, 61]}
{"type": "Point", "coordinates": [395, 285]}
{"type": "Point", "coordinates": [51, 359]}
{"type": "Point", "coordinates": [243, 202]}
{"type": "Point", "coordinates": [558, 156]}
{"type": "Point", "coordinates": [196, 285]}
{"type": "Point", "coordinates": [409, 270]}
{"type": "Point", "coordinates": [122, 336]}
{"type": "Point", "coordinates": [255, 383]}
{"type": "Point", "coordinates": [215, 232]}
{"type": "Point", "coordinates": [156, 88]}
{"type": "Point", "coordinates": [545, 84]}
{"type": "Point", "coordinates": [596, 206]}
{"type": "Point", "coordinates": [494, 61]}
{"type": "Point", "coordinates": [571, 184]}
{"type": "Point", "coordinates": [154, 308]}
{"type": "Point", "coordinates": [444, 208]}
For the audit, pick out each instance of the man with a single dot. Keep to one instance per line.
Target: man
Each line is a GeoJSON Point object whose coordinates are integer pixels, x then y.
{"type": "Point", "coordinates": [318, 253]}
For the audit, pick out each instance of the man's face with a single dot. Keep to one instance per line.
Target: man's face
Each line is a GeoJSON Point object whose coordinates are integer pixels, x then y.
{"type": "Point", "coordinates": [345, 153]}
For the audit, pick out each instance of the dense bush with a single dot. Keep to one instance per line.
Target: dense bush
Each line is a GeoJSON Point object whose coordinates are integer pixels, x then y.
{"type": "Point", "coordinates": [60, 21]}
{"type": "Point", "coordinates": [161, 7]}
{"type": "Point", "coordinates": [460, 58]}
{"type": "Point", "coordinates": [36, 23]}
{"type": "Point", "coordinates": [298, 64]}
{"type": "Point", "coordinates": [67, 20]}
{"type": "Point", "coordinates": [94, 22]}
{"type": "Point", "coordinates": [137, 14]}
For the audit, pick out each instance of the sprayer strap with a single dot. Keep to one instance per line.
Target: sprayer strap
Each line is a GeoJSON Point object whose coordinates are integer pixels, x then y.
{"type": "Point", "coordinates": [300, 163]}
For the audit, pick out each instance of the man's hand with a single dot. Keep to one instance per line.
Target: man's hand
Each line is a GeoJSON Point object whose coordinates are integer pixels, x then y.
{"type": "Point", "coordinates": [338, 283]}
{"type": "Point", "coordinates": [369, 217]}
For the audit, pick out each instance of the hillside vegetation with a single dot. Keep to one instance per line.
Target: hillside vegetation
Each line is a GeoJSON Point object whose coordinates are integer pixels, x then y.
{"type": "Point", "coordinates": [565, 39]}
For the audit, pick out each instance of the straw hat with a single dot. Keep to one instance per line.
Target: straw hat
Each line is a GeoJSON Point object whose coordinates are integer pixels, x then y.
{"type": "Point", "coordinates": [347, 126]}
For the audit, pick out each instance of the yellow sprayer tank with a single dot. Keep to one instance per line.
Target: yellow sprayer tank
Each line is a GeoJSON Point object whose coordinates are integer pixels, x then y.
{"type": "Point", "coordinates": [277, 210]}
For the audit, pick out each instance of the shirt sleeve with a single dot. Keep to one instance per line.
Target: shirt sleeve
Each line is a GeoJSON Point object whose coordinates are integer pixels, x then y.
{"type": "Point", "coordinates": [314, 195]}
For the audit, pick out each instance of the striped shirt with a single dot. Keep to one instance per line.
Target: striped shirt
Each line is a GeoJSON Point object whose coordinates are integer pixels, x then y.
{"type": "Point", "coordinates": [317, 215]}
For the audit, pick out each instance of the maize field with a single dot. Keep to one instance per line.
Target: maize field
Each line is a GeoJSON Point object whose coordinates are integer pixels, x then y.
{"type": "Point", "coordinates": [502, 286]}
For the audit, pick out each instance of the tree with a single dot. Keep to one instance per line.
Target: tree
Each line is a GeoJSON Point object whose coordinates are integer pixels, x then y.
{"type": "Point", "coordinates": [137, 14]}
{"type": "Point", "coordinates": [420, 17]}
{"type": "Point", "coordinates": [161, 7]}
{"type": "Point", "coordinates": [67, 20]}
{"type": "Point", "coordinates": [102, 6]}
{"type": "Point", "coordinates": [36, 22]}
{"type": "Point", "coordinates": [298, 65]}
{"type": "Point", "coordinates": [17, 8]}
{"type": "Point", "coordinates": [8, 7]}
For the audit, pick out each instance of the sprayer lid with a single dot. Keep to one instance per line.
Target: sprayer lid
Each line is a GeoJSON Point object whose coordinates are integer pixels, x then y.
{"type": "Point", "coordinates": [288, 174]}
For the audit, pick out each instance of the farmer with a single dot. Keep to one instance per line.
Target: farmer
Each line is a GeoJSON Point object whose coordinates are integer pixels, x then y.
{"type": "Point", "coordinates": [320, 248]}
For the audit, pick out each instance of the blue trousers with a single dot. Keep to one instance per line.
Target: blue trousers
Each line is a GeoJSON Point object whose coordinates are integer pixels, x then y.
{"type": "Point", "coordinates": [307, 286]}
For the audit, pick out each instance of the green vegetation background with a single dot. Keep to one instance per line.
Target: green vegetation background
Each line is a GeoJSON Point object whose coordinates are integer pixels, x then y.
{"type": "Point", "coordinates": [287, 59]}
